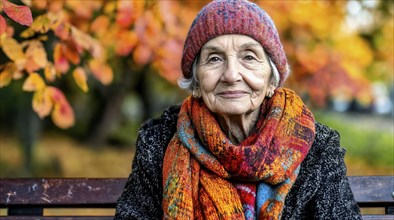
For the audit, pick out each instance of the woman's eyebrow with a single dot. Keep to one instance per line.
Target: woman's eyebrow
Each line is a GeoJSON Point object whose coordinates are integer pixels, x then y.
{"type": "Point", "coordinates": [250, 45]}
{"type": "Point", "coordinates": [211, 48]}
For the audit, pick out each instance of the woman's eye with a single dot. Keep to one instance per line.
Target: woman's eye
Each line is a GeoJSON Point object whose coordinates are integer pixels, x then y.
{"type": "Point", "coordinates": [249, 58]}
{"type": "Point", "coordinates": [213, 59]}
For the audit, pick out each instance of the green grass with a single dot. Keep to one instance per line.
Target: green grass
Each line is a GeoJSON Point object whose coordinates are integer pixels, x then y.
{"type": "Point", "coordinates": [365, 137]}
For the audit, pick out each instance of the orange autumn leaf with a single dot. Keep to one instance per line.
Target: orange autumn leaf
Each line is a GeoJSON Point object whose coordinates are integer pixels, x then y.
{"type": "Point", "coordinates": [34, 82]}
{"type": "Point", "coordinates": [167, 60]}
{"type": "Point", "coordinates": [70, 51]}
{"type": "Point", "coordinates": [100, 25]}
{"type": "Point", "coordinates": [42, 103]}
{"type": "Point", "coordinates": [101, 71]}
{"type": "Point", "coordinates": [128, 12]}
{"type": "Point", "coordinates": [3, 25]}
{"type": "Point", "coordinates": [62, 114]}
{"type": "Point", "coordinates": [126, 42]}
{"type": "Point", "coordinates": [18, 13]}
{"type": "Point", "coordinates": [142, 54]}
{"type": "Point", "coordinates": [149, 29]}
{"type": "Point", "coordinates": [308, 58]}
{"type": "Point", "coordinates": [80, 78]}
{"type": "Point", "coordinates": [84, 9]}
{"type": "Point", "coordinates": [61, 63]}
{"type": "Point", "coordinates": [40, 4]}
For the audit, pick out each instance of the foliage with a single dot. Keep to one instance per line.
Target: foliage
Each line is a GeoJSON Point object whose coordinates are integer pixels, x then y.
{"type": "Point", "coordinates": [331, 54]}
{"type": "Point", "coordinates": [366, 138]}
{"type": "Point", "coordinates": [61, 39]}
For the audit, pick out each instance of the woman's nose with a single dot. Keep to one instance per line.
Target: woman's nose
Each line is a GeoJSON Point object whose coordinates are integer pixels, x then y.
{"type": "Point", "coordinates": [231, 72]}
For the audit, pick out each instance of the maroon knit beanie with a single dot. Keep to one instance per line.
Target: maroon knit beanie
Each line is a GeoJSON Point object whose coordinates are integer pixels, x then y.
{"type": "Point", "coordinates": [222, 17]}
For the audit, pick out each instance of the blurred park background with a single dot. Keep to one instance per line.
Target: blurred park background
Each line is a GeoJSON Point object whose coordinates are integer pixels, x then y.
{"type": "Point", "coordinates": [78, 78]}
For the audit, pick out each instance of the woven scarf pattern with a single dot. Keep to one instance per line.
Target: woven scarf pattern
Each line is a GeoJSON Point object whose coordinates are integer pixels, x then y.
{"type": "Point", "coordinates": [205, 176]}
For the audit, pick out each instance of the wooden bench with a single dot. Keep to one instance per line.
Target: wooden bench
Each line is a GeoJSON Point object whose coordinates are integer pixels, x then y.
{"type": "Point", "coordinates": [25, 198]}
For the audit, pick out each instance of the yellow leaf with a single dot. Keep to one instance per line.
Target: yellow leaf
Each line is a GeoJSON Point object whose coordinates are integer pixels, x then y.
{"type": "Point", "coordinates": [12, 68]}
{"type": "Point", "coordinates": [6, 75]}
{"type": "Point", "coordinates": [36, 52]}
{"type": "Point", "coordinates": [13, 49]}
{"type": "Point", "coordinates": [41, 24]}
{"type": "Point", "coordinates": [40, 4]}
{"type": "Point", "coordinates": [86, 42]}
{"type": "Point", "coordinates": [62, 114]}
{"type": "Point", "coordinates": [3, 36]}
{"type": "Point", "coordinates": [50, 72]}
{"type": "Point", "coordinates": [80, 78]}
{"type": "Point", "coordinates": [42, 103]}
{"type": "Point", "coordinates": [34, 82]}
{"type": "Point", "coordinates": [27, 33]}
{"type": "Point", "coordinates": [110, 7]}
{"type": "Point", "coordinates": [26, 2]}
{"type": "Point", "coordinates": [101, 71]}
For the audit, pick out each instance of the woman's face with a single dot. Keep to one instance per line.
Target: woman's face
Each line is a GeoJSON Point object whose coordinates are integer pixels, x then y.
{"type": "Point", "coordinates": [234, 75]}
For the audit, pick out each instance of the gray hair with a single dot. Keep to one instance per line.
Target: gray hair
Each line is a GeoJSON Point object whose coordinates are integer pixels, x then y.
{"type": "Point", "coordinates": [192, 83]}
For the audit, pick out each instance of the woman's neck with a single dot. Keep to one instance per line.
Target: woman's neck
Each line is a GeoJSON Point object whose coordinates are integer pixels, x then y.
{"type": "Point", "coordinates": [238, 127]}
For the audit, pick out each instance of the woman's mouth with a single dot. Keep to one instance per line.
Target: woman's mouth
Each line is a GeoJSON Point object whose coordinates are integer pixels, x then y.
{"type": "Point", "coordinates": [232, 94]}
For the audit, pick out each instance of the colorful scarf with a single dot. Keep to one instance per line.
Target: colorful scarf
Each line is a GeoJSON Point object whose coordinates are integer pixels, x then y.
{"type": "Point", "coordinates": [205, 176]}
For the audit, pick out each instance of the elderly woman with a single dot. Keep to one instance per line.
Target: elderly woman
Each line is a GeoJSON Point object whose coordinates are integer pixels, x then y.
{"type": "Point", "coordinates": [241, 147]}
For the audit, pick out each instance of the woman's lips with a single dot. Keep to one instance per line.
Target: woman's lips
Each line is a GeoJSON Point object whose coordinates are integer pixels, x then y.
{"type": "Point", "coordinates": [233, 94]}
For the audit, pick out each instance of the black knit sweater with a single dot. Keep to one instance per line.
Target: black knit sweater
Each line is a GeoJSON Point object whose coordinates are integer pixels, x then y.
{"type": "Point", "coordinates": [321, 190]}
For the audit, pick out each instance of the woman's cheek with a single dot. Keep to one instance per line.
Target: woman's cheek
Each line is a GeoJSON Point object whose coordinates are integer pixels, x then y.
{"type": "Point", "coordinates": [208, 81]}
{"type": "Point", "coordinates": [256, 82]}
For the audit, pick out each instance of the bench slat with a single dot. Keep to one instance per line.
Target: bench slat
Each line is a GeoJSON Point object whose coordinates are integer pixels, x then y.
{"type": "Point", "coordinates": [370, 191]}
{"type": "Point", "coordinates": [61, 192]}
{"type": "Point", "coordinates": [367, 190]}
{"type": "Point", "coordinates": [378, 217]}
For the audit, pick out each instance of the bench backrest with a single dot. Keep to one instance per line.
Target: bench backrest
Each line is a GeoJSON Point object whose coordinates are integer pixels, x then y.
{"type": "Point", "coordinates": [30, 196]}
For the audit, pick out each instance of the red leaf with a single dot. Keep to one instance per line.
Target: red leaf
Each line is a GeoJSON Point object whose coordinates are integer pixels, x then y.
{"type": "Point", "coordinates": [18, 13]}
{"type": "Point", "coordinates": [62, 114]}
{"type": "Point", "coordinates": [3, 25]}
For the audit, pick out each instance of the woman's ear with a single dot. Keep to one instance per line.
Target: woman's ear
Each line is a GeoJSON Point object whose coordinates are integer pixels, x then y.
{"type": "Point", "coordinates": [196, 92]}
{"type": "Point", "coordinates": [270, 90]}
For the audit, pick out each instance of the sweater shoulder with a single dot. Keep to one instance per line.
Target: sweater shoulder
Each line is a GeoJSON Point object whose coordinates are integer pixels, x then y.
{"type": "Point", "coordinates": [156, 133]}
{"type": "Point", "coordinates": [161, 125]}
{"type": "Point", "coordinates": [326, 148]}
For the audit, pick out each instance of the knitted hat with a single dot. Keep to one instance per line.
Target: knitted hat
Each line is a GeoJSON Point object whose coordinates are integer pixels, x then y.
{"type": "Point", "coordinates": [222, 17]}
